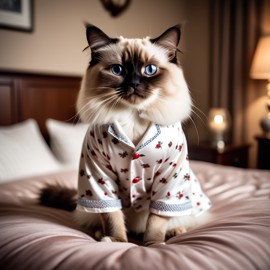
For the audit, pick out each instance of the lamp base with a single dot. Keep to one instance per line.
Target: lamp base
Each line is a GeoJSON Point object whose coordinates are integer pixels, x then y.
{"type": "Point", "coordinates": [265, 125]}
{"type": "Point", "coordinates": [218, 141]}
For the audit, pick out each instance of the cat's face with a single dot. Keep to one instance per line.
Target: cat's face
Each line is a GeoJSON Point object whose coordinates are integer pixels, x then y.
{"type": "Point", "coordinates": [137, 74]}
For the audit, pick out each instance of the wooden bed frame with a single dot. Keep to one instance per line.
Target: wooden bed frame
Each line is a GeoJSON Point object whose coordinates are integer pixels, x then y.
{"type": "Point", "coordinates": [37, 96]}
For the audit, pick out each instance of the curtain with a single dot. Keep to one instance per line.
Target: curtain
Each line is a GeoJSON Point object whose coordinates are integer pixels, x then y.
{"type": "Point", "coordinates": [234, 31]}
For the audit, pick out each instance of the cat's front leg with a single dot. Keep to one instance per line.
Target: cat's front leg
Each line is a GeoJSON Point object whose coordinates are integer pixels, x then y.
{"type": "Point", "coordinates": [156, 228]}
{"type": "Point", "coordinates": [114, 228]}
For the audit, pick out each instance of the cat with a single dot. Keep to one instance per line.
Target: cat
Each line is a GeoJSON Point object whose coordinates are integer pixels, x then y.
{"type": "Point", "coordinates": [134, 173]}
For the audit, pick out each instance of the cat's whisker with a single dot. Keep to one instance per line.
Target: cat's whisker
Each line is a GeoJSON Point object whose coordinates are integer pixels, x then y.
{"type": "Point", "coordinates": [196, 129]}
{"type": "Point", "coordinates": [203, 121]}
{"type": "Point", "coordinates": [199, 117]}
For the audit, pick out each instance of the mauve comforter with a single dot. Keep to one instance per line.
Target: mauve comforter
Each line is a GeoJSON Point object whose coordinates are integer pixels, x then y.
{"type": "Point", "coordinates": [36, 237]}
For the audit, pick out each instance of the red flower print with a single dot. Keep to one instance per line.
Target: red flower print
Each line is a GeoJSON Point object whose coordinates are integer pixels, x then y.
{"type": "Point", "coordinates": [136, 180]}
{"type": "Point", "coordinates": [115, 141]}
{"type": "Point", "coordinates": [137, 155]}
{"type": "Point", "coordinates": [82, 172]}
{"type": "Point", "coordinates": [180, 147]}
{"type": "Point", "coordinates": [109, 167]}
{"type": "Point", "coordinates": [124, 170]}
{"type": "Point", "coordinates": [166, 159]}
{"type": "Point", "coordinates": [134, 196]}
{"type": "Point", "coordinates": [168, 195]}
{"type": "Point", "coordinates": [159, 161]}
{"type": "Point", "coordinates": [101, 181]}
{"type": "Point", "coordinates": [93, 153]}
{"type": "Point", "coordinates": [157, 173]}
{"type": "Point", "coordinates": [124, 154]}
{"type": "Point", "coordinates": [105, 135]}
{"type": "Point", "coordinates": [145, 166]}
{"type": "Point", "coordinates": [174, 164]}
{"type": "Point", "coordinates": [88, 192]}
{"type": "Point", "coordinates": [198, 203]}
{"type": "Point", "coordinates": [106, 193]}
{"type": "Point", "coordinates": [159, 145]}
{"type": "Point", "coordinates": [180, 195]}
{"type": "Point", "coordinates": [163, 181]}
{"type": "Point", "coordinates": [99, 141]}
{"type": "Point", "coordinates": [187, 177]}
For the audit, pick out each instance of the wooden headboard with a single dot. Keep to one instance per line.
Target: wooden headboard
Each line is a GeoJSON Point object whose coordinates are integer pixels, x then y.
{"type": "Point", "coordinates": [25, 95]}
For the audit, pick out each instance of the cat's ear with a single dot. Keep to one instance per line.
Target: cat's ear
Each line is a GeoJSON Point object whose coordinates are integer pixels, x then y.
{"type": "Point", "coordinates": [97, 38]}
{"type": "Point", "coordinates": [169, 39]}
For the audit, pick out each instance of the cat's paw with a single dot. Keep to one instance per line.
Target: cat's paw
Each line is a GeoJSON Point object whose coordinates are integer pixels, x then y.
{"type": "Point", "coordinates": [106, 239]}
{"type": "Point", "coordinates": [176, 231]}
{"type": "Point", "coordinates": [112, 239]}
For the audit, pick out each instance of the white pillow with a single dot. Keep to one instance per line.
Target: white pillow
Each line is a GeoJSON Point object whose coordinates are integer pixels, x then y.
{"type": "Point", "coordinates": [66, 141]}
{"type": "Point", "coordinates": [23, 152]}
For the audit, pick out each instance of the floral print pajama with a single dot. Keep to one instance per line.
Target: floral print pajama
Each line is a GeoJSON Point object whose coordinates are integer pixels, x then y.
{"type": "Point", "coordinates": [153, 175]}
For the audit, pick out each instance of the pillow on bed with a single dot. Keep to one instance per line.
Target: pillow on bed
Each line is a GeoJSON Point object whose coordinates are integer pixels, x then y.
{"type": "Point", "coordinates": [23, 152]}
{"type": "Point", "coordinates": [66, 141]}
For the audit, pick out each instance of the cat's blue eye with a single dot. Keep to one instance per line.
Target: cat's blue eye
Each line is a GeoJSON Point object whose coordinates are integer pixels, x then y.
{"type": "Point", "coordinates": [150, 70]}
{"type": "Point", "coordinates": [117, 69]}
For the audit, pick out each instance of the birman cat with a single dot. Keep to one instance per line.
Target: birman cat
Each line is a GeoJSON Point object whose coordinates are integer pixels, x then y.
{"type": "Point", "coordinates": [134, 173]}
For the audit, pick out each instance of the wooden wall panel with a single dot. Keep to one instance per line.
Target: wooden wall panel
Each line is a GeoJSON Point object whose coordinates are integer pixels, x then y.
{"type": "Point", "coordinates": [24, 96]}
{"type": "Point", "coordinates": [8, 101]}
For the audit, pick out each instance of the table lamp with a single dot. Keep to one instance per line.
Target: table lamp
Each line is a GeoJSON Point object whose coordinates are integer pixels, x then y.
{"type": "Point", "coordinates": [218, 122]}
{"type": "Point", "coordinates": [260, 69]}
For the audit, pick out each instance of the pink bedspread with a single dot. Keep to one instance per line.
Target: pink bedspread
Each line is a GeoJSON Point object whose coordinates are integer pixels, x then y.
{"type": "Point", "coordinates": [36, 237]}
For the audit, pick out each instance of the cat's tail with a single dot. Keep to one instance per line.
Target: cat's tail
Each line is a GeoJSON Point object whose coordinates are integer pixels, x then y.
{"type": "Point", "coordinates": [57, 196]}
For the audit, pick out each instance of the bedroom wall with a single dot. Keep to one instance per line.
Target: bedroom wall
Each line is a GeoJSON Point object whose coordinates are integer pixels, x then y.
{"type": "Point", "coordinates": [56, 45]}
{"type": "Point", "coordinates": [58, 39]}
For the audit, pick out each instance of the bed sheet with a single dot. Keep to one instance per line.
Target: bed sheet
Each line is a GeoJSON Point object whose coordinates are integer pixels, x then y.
{"type": "Point", "coordinates": [37, 237]}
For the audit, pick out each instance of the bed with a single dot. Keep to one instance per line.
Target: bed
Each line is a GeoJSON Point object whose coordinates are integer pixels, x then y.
{"type": "Point", "coordinates": [41, 107]}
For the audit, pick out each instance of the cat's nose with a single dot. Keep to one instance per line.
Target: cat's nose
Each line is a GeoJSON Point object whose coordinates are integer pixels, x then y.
{"type": "Point", "coordinates": [135, 81]}
{"type": "Point", "coordinates": [135, 85]}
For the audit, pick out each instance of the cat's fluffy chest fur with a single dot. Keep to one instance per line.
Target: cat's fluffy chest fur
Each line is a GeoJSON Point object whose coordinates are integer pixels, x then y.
{"type": "Point", "coordinates": [134, 126]}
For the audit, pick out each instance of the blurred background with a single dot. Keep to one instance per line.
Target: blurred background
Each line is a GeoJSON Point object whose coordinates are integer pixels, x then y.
{"type": "Point", "coordinates": [218, 43]}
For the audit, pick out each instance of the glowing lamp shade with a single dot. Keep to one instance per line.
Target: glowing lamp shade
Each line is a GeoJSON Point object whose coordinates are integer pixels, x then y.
{"type": "Point", "coordinates": [218, 120]}
{"type": "Point", "coordinates": [219, 123]}
{"type": "Point", "coordinates": [260, 69]}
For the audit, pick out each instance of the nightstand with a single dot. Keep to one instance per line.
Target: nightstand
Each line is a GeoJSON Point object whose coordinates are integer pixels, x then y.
{"type": "Point", "coordinates": [232, 155]}
{"type": "Point", "coordinates": [263, 156]}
